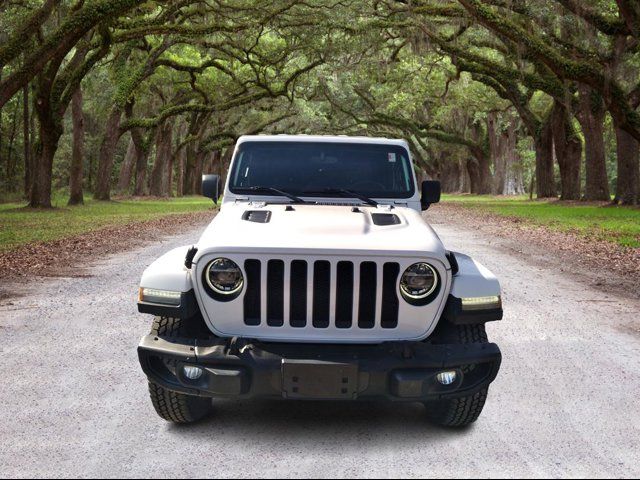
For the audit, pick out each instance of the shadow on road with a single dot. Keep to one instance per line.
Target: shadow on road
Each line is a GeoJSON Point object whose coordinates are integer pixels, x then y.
{"type": "Point", "coordinates": [345, 423]}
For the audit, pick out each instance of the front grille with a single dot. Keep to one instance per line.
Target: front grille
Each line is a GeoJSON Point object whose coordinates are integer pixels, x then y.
{"type": "Point", "coordinates": [322, 294]}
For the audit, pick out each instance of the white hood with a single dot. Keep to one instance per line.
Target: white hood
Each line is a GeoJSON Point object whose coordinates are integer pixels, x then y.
{"type": "Point", "coordinates": [328, 228]}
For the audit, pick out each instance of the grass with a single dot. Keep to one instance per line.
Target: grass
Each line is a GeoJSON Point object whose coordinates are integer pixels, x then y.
{"type": "Point", "coordinates": [615, 224]}
{"type": "Point", "coordinates": [20, 225]}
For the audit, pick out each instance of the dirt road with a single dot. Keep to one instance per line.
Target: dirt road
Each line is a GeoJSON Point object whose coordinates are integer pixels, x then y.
{"type": "Point", "coordinates": [566, 402]}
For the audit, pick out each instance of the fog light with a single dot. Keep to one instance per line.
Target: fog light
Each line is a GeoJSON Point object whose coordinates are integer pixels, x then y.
{"type": "Point", "coordinates": [447, 378]}
{"type": "Point", "coordinates": [192, 373]}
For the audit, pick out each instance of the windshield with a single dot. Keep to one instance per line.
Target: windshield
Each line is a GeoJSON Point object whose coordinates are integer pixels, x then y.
{"type": "Point", "coordinates": [322, 168]}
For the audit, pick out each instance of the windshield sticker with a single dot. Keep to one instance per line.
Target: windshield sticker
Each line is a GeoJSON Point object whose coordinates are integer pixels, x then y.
{"type": "Point", "coordinates": [392, 157]}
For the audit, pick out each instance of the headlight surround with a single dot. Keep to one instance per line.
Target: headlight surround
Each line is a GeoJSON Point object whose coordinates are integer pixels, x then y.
{"type": "Point", "coordinates": [224, 276]}
{"type": "Point", "coordinates": [419, 281]}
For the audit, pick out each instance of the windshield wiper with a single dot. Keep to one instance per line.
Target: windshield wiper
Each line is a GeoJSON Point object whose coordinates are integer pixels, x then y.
{"type": "Point", "coordinates": [346, 193]}
{"type": "Point", "coordinates": [273, 191]}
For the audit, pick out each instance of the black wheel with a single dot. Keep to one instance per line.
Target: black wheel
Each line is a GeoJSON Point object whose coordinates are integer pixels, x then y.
{"type": "Point", "coordinates": [173, 406]}
{"type": "Point", "coordinates": [463, 411]}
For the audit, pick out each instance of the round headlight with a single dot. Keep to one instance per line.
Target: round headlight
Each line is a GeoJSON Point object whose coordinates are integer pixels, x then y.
{"type": "Point", "coordinates": [224, 276]}
{"type": "Point", "coordinates": [419, 281]}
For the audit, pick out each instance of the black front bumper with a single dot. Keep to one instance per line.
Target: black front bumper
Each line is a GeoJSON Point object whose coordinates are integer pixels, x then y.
{"type": "Point", "coordinates": [244, 369]}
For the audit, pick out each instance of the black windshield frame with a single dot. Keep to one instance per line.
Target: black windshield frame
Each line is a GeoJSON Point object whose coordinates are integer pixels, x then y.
{"type": "Point", "coordinates": [344, 163]}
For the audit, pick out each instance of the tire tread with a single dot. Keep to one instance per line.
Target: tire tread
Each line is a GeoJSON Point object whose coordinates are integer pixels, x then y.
{"type": "Point", "coordinates": [463, 411]}
{"type": "Point", "coordinates": [172, 406]}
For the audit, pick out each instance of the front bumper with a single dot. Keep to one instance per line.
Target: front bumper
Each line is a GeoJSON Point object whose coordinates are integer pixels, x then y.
{"type": "Point", "coordinates": [245, 369]}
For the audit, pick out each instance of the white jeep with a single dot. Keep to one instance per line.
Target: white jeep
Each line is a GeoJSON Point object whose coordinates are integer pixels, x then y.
{"type": "Point", "coordinates": [320, 279]}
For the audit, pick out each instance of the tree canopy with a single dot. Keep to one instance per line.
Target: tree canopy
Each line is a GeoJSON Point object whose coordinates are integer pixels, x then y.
{"type": "Point", "coordinates": [493, 96]}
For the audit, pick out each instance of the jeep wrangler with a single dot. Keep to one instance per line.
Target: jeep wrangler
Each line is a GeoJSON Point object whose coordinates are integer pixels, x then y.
{"type": "Point", "coordinates": [319, 279]}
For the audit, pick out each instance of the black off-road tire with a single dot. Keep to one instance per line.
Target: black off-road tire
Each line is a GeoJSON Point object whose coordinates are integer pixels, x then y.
{"type": "Point", "coordinates": [178, 407]}
{"type": "Point", "coordinates": [463, 411]}
{"type": "Point", "coordinates": [173, 406]}
{"type": "Point", "coordinates": [178, 328]}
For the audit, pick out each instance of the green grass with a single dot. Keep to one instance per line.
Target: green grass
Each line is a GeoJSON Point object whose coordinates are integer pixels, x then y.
{"type": "Point", "coordinates": [20, 225]}
{"type": "Point", "coordinates": [615, 224]}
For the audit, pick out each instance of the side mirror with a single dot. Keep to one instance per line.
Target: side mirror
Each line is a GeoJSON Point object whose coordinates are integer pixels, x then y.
{"type": "Point", "coordinates": [211, 187]}
{"type": "Point", "coordinates": [430, 193]}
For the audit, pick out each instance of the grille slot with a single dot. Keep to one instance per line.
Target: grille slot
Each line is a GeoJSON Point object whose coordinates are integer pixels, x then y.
{"type": "Point", "coordinates": [390, 302]}
{"type": "Point", "coordinates": [321, 293]}
{"type": "Point", "coordinates": [298, 301]}
{"type": "Point", "coordinates": [275, 293]}
{"type": "Point", "coordinates": [252, 295]}
{"type": "Point", "coordinates": [367, 303]}
{"type": "Point", "coordinates": [344, 295]}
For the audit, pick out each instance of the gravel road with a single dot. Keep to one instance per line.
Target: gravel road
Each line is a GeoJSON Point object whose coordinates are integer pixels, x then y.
{"type": "Point", "coordinates": [566, 402]}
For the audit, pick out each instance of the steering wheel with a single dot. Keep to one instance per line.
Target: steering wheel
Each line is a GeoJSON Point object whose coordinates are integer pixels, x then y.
{"type": "Point", "coordinates": [366, 184]}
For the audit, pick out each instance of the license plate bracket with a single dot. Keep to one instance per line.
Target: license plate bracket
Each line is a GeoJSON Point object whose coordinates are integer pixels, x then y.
{"type": "Point", "coordinates": [314, 379]}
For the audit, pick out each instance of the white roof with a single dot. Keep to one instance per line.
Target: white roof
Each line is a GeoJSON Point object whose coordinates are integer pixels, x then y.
{"type": "Point", "coordinates": [322, 138]}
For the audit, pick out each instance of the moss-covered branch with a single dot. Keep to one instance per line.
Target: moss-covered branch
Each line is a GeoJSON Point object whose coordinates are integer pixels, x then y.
{"type": "Point", "coordinates": [19, 41]}
{"type": "Point", "coordinates": [606, 24]}
{"type": "Point", "coordinates": [62, 40]}
{"type": "Point", "coordinates": [564, 67]}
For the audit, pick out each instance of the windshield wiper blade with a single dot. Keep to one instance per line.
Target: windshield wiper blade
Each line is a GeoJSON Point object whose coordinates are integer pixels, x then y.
{"type": "Point", "coordinates": [274, 191]}
{"type": "Point", "coordinates": [347, 193]}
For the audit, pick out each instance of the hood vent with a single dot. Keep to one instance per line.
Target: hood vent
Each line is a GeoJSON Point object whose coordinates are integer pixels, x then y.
{"type": "Point", "coordinates": [257, 216]}
{"type": "Point", "coordinates": [385, 219]}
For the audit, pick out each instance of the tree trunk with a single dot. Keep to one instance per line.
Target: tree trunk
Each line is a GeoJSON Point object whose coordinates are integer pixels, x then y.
{"type": "Point", "coordinates": [474, 176]}
{"type": "Point", "coordinates": [568, 150]}
{"type": "Point", "coordinates": [190, 170]}
{"type": "Point", "coordinates": [106, 157]}
{"type": "Point", "coordinates": [50, 132]}
{"type": "Point", "coordinates": [479, 174]}
{"type": "Point", "coordinates": [513, 182]}
{"type": "Point", "coordinates": [543, 142]}
{"type": "Point", "coordinates": [159, 180]}
{"type": "Point", "coordinates": [591, 118]}
{"type": "Point", "coordinates": [180, 180]}
{"type": "Point", "coordinates": [450, 176]}
{"type": "Point", "coordinates": [628, 182]}
{"type": "Point", "coordinates": [77, 155]}
{"type": "Point", "coordinates": [465, 185]}
{"type": "Point", "coordinates": [497, 152]}
{"type": "Point", "coordinates": [170, 165]}
{"type": "Point", "coordinates": [126, 170]}
{"type": "Point", "coordinates": [142, 154]}
{"type": "Point", "coordinates": [10, 157]}
{"type": "Point", "coordinates": [43, 166]}
{"type": "Point", "coordinates": [484, 174]}
{"type": "Point", "coordinates": [26, 139]}
{"type": "Point", "coordinates": [1, 125]}
{"type": "Point", "coordinates": [196, 188]}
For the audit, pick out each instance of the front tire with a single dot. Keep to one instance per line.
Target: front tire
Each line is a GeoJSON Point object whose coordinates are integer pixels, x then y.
{"type": "Point", "coordinates": [463, 411]}
{"type": "Point", "coordinates": [173, 406]}
{"type": "Point", "coordinates": [177, 407]}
